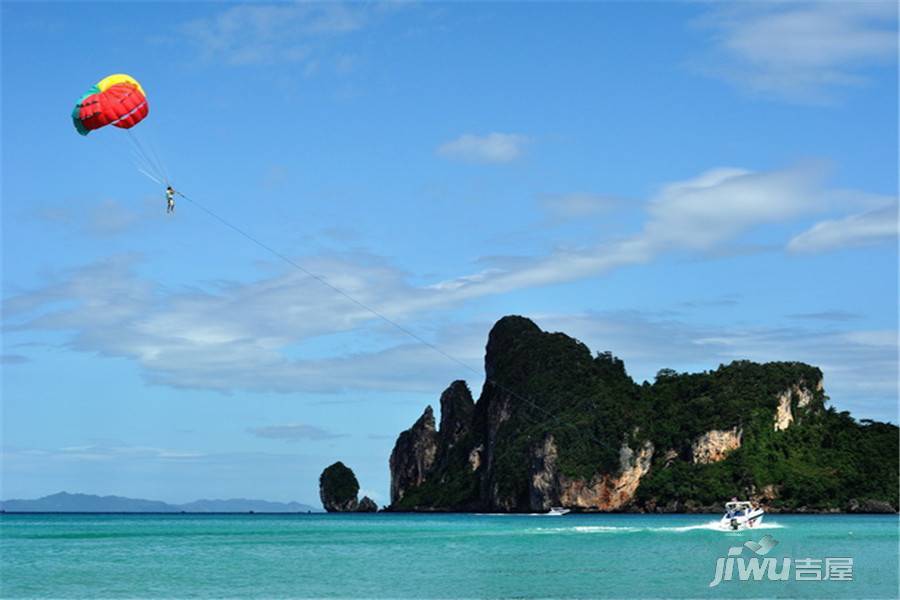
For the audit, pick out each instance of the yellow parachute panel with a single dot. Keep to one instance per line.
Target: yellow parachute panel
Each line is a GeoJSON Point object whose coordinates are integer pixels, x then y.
{"type": "Point", "coordinates": [108, 82]}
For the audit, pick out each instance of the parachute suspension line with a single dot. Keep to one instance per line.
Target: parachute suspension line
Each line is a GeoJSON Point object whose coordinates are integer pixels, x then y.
{"type": "Point", "coordinates": [153, 160]}
{"type": "Point", "coordinates": [161, 163]}
{"type": "Point", "coordinates": [142, 162]}
{"type": "Point", "coordinates": [139, 161]}
{"type": "Point", "coordinates": [381, 315]}
{"type": "Point", "coordinates": [149, 157]}
{"type": "Point", "coordinates": [325, 282]}
{"type": "Point", "coordinates": [152, 165]}
{"type": "Point", "coordinates": [149, 176]}
{"type": "Point", "coordinates": [162, 166]}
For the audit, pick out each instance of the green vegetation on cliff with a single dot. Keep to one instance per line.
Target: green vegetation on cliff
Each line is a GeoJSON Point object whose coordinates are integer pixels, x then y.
{"type": "Point", "coordinates": [824, 462]}
{"type": "Point", "coordinates": [338, 488]}
{"type": "Point", "coordinates": [792, 451]}
{"type": "Point", "coordinates": [549, 383]}
{"type": "Point", "coordinates": [821, 461]}
{"type": "Point", "coordinates": [687, 405]}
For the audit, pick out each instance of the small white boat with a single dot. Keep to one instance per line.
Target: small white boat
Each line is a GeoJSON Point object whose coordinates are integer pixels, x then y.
{"type": "Point", "coordinates": [740, 514]}
{"type": "Point", "coordinates": [557, 511]}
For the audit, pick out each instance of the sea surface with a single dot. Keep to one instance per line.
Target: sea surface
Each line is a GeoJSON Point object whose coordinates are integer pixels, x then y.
{"type": "Point", "coordinates": [429, 556]}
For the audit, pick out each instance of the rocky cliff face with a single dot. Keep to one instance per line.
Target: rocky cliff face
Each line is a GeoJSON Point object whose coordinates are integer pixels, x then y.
{"type": "Point", "coordinates": [479, 458]}
{"type": "Point", "coordinates": [544, 486]}
{"type": "Point", "coordinates": [715, 445]}
{"type": "Point", "coordinates": [338, 488]}
{"type": "Point", "coordinates": [793, 399]}
{"type": "Point", "coordinates": [555, 425]}
{"type": "Point", "coordinates": [367, 505]}
{"type": "Point", "coordinates": [457, 407]}
{"type": "Point", "coordinates": [413, 456]}
{"type": "Point", "coordinates": [339, 491]}
{"type": "Point", "coordinates": [608, 492]}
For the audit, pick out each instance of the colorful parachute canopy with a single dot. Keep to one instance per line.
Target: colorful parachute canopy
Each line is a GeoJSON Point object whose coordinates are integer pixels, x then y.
{"type": "Point", "coordinates": [116, 100]}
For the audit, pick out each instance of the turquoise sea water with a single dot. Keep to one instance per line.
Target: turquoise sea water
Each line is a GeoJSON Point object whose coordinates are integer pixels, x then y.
{"type": "Point", "coordinates": [426, 556]}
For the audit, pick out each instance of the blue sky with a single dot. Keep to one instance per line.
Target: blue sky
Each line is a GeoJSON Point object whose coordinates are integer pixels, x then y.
{"type": "Point", "coordinates": [683, 184]}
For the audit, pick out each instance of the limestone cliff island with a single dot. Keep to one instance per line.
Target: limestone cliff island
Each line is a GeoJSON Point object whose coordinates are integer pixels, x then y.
{"type": "Point", "coordinates": [339, 491]}
{"type": "Point", "coordinates": [555, 425]}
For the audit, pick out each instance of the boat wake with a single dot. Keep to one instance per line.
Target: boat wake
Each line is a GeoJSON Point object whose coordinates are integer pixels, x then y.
{"type": "Point", "coordinates": [716, 526]}
{"type": "Point", "coordinates": [710, 526]}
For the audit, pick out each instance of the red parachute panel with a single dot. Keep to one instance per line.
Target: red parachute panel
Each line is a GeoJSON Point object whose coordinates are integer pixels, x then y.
{"type": "Point", "coordinates": [122, 105]}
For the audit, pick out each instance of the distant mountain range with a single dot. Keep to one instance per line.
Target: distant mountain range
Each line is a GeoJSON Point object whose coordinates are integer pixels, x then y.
{"type": "Point", "coordinates": [65, 502]}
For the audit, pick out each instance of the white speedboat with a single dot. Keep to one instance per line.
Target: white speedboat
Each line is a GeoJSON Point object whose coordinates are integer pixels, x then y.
{"type": "Point", "coordinates": [557, 511]}
{"type": "Point", "coordinates": [740, 514]}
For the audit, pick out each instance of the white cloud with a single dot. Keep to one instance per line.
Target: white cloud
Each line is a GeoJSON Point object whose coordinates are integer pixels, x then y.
{"type": "Point", "coordinates": [13, 359]}
{"type": "Point", "coordinates": [697, 215]}
{"type": "Point", "coordinates": [860, 365]}
{"type": "Point", "coordinates": [234, 335]}
{"type": "Point", "coordinates": [578, 205]}
{"type": "Point", "coordinates": [490, 148]}
{"type": "Point", "coordinates": [255, 34]}
{"type": "Point", "coordinates": [827, 315]}
{"type": "Point", "coordinates": [111, 451]}
{"type": "Point", "coordinates": [277, 333]}
{"type": "Point", "coordinates": [293, 432]}
{"type": "Point", "coordinates": [105, 218]}
{"type": "Point", "coordinates": [722, 203]}
{"type": "Point", "coordinates": [800, 51]}
{"type": "Point", "coordinates": [371, 493]}
{"type": "Point", "coordinates": [856, 230]}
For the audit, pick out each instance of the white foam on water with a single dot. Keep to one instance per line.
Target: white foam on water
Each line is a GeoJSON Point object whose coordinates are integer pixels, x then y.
{"type": "Point", "coordinates": [586, 529]}
{"type": "Point", "coordinates": [769, 525]}
{"type": "Point", "coordinates": [513, 515]}
{"type": "Point", "coordinates": [602, 528]}
{"type": "Point", "coordinates": [710, 526]}
{"type": "Point", "coordinates": [714, 526]}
